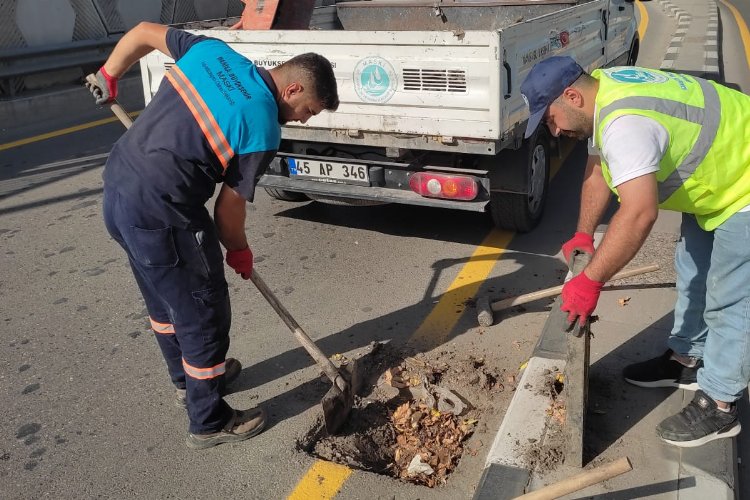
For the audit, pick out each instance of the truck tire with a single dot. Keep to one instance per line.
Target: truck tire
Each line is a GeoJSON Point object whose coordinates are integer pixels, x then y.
{"type": "Point", "coordinates": [284, 195]}
{"type": "Point", "coordinates": [633, 54]}
{"type": "Point", "coordinates": [522, 212]}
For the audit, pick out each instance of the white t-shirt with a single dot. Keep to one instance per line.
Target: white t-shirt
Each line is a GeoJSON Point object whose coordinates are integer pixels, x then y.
{"type": "Point", "coordinates": [632, 146]}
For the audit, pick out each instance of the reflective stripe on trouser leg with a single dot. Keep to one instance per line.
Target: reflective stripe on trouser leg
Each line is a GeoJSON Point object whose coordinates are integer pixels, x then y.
{"type": "Point", "coordinates": [170, 349]}
{"type": "Point", "coordinates": [182, 272]}
{"type": "Point", "coordinates": [168, 344]}
{"type": "Point", "coordinates": [204, 373]}
{"type": "Point", "coordinates": [691, 261]}
{"type": "Point", "coordinates": [726, 358]}
{"type": "Point", "coordinates": [204, 359]}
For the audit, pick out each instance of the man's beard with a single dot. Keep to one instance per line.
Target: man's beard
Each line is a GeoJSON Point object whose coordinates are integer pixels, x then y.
{"type": "Point", "coordinates": [581, 127]}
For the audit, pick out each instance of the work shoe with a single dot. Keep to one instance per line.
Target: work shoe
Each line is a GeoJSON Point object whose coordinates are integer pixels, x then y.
{"type": "Point", "coordinates": [233, 369]}
{"type": "Point", "coordinates": [663, 372]}
{"type": "Point", "coordinates": [243, 425]}
{"type": "Point", "coordinates": [698, 423]}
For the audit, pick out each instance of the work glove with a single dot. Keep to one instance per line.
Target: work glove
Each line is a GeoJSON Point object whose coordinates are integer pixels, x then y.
{"type": "Point", "coordinates": [579, 297]}
{"type": "Point", "coordinates": [106, 88]}
{"type": "Point", "coordinates": [580, 241]}
{"type": "Point", "coordinates": [241, 261]}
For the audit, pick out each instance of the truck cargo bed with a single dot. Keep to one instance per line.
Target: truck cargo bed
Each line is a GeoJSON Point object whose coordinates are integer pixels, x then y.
{"type": "Point", "coordinates": [410, 15]}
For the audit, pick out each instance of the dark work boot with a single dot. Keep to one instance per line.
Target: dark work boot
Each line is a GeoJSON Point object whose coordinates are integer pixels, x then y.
{"type": "Point", "coordinates": [243, 425]}
{"type": "Point", "coordinates": [663, 372]}
{"type": "Point", "coordinates": [700, 422]}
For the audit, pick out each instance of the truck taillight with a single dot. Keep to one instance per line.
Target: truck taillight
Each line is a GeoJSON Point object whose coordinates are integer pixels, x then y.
{"type": "Point", "coordinates": [451, 187]}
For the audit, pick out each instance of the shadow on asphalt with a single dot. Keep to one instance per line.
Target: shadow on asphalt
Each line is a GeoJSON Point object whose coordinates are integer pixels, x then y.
{"type": "Point", "coordinates": [38, 164]}
{"type": "Point", "coordinates": [78, 195]}
{"type": "Point", "coordinates": [614, 405]}
{"type": "Point", "coordinates": [648, 490]}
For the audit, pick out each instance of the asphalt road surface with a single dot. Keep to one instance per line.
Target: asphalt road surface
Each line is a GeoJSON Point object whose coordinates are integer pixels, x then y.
{"type": "Point", "coordinates": [88, 407]}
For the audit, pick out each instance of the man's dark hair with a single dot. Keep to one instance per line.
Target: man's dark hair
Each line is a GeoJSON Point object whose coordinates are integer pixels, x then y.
{"type": "Point", "coordinates": [318, 71]}
{"type": "Point", "coordinates": [582, 82]}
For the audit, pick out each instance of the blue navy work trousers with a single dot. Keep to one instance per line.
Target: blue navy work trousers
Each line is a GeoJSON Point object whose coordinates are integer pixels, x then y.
{"type": "Point", "coordinates": [180, 273]}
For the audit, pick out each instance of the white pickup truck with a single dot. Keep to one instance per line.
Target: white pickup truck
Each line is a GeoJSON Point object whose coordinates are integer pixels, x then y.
{"type": "Point", "coordinates": [431, 112]}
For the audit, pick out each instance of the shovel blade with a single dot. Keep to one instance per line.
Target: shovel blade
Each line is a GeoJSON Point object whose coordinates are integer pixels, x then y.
{"type": "Point", "coordinates": [337, 404]}
{"type": "Point", "coordinates": [336, 408]}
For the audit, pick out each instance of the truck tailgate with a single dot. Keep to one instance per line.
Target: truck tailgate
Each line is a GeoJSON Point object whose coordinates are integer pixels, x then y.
{"type": "Point", "coordinates": [423, 83]}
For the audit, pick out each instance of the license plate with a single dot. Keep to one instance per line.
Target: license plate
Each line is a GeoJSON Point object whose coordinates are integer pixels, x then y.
{"type": "Point", "coordinates": [329, 171]}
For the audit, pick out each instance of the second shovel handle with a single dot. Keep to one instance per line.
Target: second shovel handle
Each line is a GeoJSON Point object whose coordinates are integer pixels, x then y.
{"type": "Point", "coordinates": [555, 290]}
{"type": "Point", "coordinates": [321, 359]}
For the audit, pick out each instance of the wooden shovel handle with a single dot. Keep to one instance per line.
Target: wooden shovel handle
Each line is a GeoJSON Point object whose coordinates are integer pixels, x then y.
{"type": "Point", "coordinates": [321, 359]}
{"type": "Point", "coordinates": [555, 290]}
{"type": "Point", "coordinates": [580, 481]}
{"type": "Point", "coordinates": [116, 108]}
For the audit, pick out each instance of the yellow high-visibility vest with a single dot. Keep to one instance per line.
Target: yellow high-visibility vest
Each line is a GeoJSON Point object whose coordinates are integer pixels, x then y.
{"type": "Point", "coordinates": [706, 168]}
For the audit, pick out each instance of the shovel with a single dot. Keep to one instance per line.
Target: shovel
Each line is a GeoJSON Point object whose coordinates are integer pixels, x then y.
{"type": "Point", "coordinates": [338, 401]}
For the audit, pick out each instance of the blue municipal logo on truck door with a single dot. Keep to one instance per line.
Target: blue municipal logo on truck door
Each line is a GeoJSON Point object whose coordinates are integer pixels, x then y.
{"type": "Point", "coordinates": [375, 80]}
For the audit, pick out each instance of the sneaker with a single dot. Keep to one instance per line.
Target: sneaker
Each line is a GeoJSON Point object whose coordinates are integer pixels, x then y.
{"type": "Point", "coordinates": [698, 423]}
{"type": "Point", "coordinates": [233, 369]}
{"type": "Point", "coordinates": [243, 425]}
{"type": "Point", "coordinates": [663, 372]}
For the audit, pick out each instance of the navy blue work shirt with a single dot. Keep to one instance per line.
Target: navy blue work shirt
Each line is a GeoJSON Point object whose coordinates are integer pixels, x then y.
{"type": "Point", "coordinates": [214, 119]}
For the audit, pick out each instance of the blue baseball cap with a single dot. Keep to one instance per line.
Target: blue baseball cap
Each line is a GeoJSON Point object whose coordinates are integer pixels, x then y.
{"type": "Point", "coordinates": [545, 83]}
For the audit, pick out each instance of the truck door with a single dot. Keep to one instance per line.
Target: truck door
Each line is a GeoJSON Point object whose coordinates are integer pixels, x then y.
{"type": "Point", "coordinates": [619, 29]}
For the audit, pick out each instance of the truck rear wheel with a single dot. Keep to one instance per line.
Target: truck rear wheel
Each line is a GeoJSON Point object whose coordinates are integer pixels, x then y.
{"type": "Point", "coordinates": [284, 195]}
{"type": "Point", "coordinates": [633, 54]}
{"type": "Point", "coordinates": [522, 212]}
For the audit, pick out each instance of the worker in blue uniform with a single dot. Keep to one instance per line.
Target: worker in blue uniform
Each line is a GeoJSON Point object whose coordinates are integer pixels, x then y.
{"type": "Point", "coordinates": [214, 120]}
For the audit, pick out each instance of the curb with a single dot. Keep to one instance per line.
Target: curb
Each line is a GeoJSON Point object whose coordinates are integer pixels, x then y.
{"type": "Point", "coordinates": [507, 471]}
{"type": "Point", "coordinates": [709, 471]}
{"type": "Point", "coordinates": [711, 55]}
{"type": "Point", "coordinates": [710, 67]}
{"type": "Point", "coordinates": [683, 23]}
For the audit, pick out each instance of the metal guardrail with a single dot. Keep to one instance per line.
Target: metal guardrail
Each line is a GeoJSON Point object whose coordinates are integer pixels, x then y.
{"type": "Point", "coordinates": [24, 61]}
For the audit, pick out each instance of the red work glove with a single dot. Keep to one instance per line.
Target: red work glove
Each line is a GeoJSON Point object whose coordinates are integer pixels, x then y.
{"type": "Point", "coordinates": [580, 241]}
{"type": "Point", "coordinates": [579, 298]}
{"type": "Point", "coordinates": [106, 88]}
{"type": "Point", "coordinates": [241, 261]}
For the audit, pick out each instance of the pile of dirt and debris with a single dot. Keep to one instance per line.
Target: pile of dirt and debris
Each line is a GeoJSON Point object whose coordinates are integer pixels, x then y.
{"type": "Point", "coordinates": [428, 443]}
{"type": "Point", "coordinates": [413, 424]}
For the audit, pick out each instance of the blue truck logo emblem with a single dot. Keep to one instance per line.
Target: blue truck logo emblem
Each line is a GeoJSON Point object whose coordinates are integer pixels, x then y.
{"type": "Point", "coordinates": [374, 80]}
{"type": "Point", "coordinates": [635, 75]}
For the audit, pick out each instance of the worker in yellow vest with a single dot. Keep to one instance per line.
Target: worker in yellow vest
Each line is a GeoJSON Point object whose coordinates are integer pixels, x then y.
{"type": "Point", "coordinates": [671, 141]}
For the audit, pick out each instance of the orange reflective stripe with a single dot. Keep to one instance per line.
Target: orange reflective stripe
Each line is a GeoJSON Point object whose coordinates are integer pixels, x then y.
{"type": "Point", "coordinates": [164, 328]}
{"type": "Point", "coordinates": [202, 115]}
{"type": "Point", "coordinates": [204, 373]}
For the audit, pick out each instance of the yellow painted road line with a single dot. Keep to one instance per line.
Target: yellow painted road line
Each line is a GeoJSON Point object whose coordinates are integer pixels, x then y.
{"type": "Point", "coordinates": [439, 324]}
{"type": "Point", "coordinates": [643, 23]}
{"type": "Point", "coordinates": [744, 32]}
{"type": "Point", "coordinates": [58, 133]}
{"type": "Point", "coordinates": [322, 482]}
